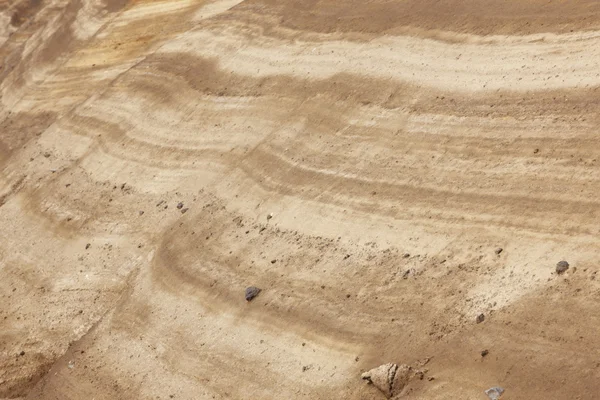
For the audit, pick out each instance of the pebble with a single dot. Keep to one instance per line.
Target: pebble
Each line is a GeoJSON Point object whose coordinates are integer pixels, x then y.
{"type": "Point", "coordinates": [485, 353]}
{"type": "Point", "coordinates": [480, 318]}
{"type": "Point", "coordinates": [179, 206]}
{"type": "Point", "coordinates": [561, 267]}
{"type": "Point", "coordinates": [252, 292]}
{"type": "Point", "coordinates": [498, 250]}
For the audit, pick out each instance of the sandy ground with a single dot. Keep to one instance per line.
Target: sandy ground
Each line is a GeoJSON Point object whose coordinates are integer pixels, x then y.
{"type": "Point", "coordinates": [361, 162]}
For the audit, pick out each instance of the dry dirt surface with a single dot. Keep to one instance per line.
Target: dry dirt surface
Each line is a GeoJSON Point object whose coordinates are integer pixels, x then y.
{"type": "Point", "coordinates": [361, 162]}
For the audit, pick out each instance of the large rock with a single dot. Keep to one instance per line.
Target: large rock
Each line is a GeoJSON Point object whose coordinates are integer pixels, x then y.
{"type": "Point", "coordinates": [390, 378]}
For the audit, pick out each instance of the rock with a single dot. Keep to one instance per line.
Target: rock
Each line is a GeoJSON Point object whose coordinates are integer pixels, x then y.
{"type": "Point", "coordinates": [183, 211]}
{"type": "Point", "coordinates": [494, 393]}
{"type": "Point", "coordinates": [390, 378]}
{"type": "Point", "coordinates": [87, 246]}
{"type": "Point", "coordinates": [498, 250]}
{"type": "Point", "coordinates": [22, 353]}
{"type": "Point", "coordinates": [561, 267]}
{"type": "Point", "coordinates": [406, 255]}
{"type": "Point", "coordinates": [180, 206]}
{"type": "Point", "coordinates": [141, 213]}
{"type": "Point", "coordinates": [252, 292]}
{"type": "Point", "coordinates": [480, 318]}
{"type": "Point", "coordinates": [485, 353]}
{"type": "Point", "coordinates": [269, 216]}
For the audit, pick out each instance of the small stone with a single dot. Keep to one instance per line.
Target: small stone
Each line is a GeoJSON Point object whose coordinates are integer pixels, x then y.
{"type": "Point", "coordinates": [22, 353]}
{"type": "Point", "coordinates": [406, 255]}
{"type": "Point", "coordinates": [87, 246]}
{"type": "Point", "coordinates": [269, 216]}
{"type": "Point", "coordinates": [46, 154]}
{"type": "Point", "coordinates": [495, 392]}
{"type": "Point", "coordinates": [562, 267]}
{"type": "Point", "coordinates": [305, 368]}
{"type": "Point", "coordinates": [273, 261]}
{"type": "Point", "coordinates": [498, 250]}
{"type": "Point", "coordinates": [356, 359]}
{"type": "Point", "coordinates": [535, 151]}
{"type": "Point", "coordinates": [430, 378]}
{"type": "Point", "coordinates": [179, 206]}
{"type": "Point", "coordinates": [141, 213]}
{"type": "Point", "coordinates": [183, 211]}
{"type": "Point", "coordinates": [480, 318]}
{"type": "Point", "coordinates": [252, 292]}
{"type": "Point", "coordinates": [485, 353]}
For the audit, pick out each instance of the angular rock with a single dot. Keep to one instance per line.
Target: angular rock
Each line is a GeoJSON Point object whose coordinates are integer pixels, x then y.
{"type": "Point", "coordinates": [562, 267]}
{"type": "Point", "coordinates": [480, 318]}
{"type": "Point", "coordinates": [390, 378]}
{"type": "Point", "coordinates": [252, 292]}
{"type": "Point", "coordinates": [498, 250]}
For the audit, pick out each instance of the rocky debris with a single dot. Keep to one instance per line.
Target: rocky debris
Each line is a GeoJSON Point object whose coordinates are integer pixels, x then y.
{"type": "Point", "coordinates": [494, 393]}
{"type": "Point", "coordinates": [252, 292]}
{"type": "Point", "coordinates": [484, 353]}
{"type": "Point", "coordinates": [562, 267]}
{"type": "Point", "coordinates": [391, 378]}
{"type": "Point", "coordinates": [179, 206]}
{"type": "Point", "coordinates": [498, 250]}
{"type": "Point", "coordinates": [480, 318]}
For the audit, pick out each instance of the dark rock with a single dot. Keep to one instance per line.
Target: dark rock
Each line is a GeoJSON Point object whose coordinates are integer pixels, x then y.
{"type": "Point", "coordinates": [141, 213]}
{"type": "Point", "coordinates": [485, 353]}
{"type": "Point", "coordinates": [406, 255]}
{"type": "Point", "coordinates": [498, 250]}
{"type": "Point", "coordinates": [179, 206]}
{"type": "Point", "coordinates": [480, 318]}
{"type": "Point", "coordinates": [252, 292]}
{"type": "Point", "coordinates": [87, 246]}
{"type": "Point", "coordinates": [22, 353]}
{"type": "Point", "coordinates": [273, 261]}
{"type": "Point", "coordinates": [561, 267]}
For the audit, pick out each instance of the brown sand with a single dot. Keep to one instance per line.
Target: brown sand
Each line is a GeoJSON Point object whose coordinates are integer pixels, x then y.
{"type": "Point", "coordinates": [442, 130]}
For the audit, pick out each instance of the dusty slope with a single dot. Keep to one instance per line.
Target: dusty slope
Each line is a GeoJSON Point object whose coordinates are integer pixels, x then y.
{"type": "Point", "coordinates": [396, 144]}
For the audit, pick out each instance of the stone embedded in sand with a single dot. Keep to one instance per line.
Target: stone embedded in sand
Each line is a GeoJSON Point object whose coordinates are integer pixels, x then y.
{"type": "Point", "coordinates": [390, 378]}
{"type": "Point", "coordinates": [561, 267]}
{"type": "Point", "coordinates": [252, 292]}
{"type": "Point", "coordinates": [179, 206]}
{"type": "Point", "coordinates": [498, 250]}
{"type": "Point", "coordinates": [494, 393]}
{"type": "Point", "coordinates": [480, 318]}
